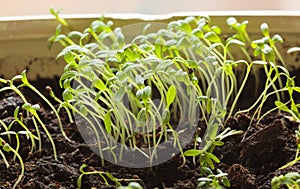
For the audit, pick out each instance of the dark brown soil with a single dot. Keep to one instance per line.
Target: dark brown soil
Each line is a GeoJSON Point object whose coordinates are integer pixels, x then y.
{"type": "Point", "coordinates": [251, 160]}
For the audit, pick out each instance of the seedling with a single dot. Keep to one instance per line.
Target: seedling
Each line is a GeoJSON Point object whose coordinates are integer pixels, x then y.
{"type": "Point", "coordinates": [131, 185]}
{"type": "Point", "coordinates": [31, 110]}
{"type": "Point", "coordinates": [7, 148]}
{"type": "Point", "coordinates": [21, 113]}
{"type": "Point", "coordinates": [210, 180]}
{"type": "Point", "coordinates": [206, 156]}
{"type": "Point", "coordinates": [104, 175]}
{"type": "Point", "coordinates": [291, 180]}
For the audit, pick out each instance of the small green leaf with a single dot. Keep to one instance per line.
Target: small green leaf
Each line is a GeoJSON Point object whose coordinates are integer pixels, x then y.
{"type": "Point", "coordinates": [6, 147]}
{"type": "Point", "coordinates": [120, 93]}
{"type": "Point", "coordinates": [171, 94]}
{"type": "Point", "coordinates": [147, 92]}
{"type": "Point", "coordinates": [297, 89]}
{"type": "Point", "coordinates": [26, 106]}
{"type": "Point", "coordinates": [142, 115]}
{"type": "Point", "coordinates": [166, 116]}
{"type": "Point", "coordinates": [79, 181]}
{"type": "Point", "coordinates": [218, 143]}
{"type": "Point", "coordinates": [35, 107]}
{"type": "Point", "coordinates": [16, 112]}
{"type": "Point", "coordinates": [8, 133]}
{"type": "Point", "coordinates": [84, 110]}
{"type": "Point", "coordinates": [259, 62]}
{"type": "Point", "coordinates": [3, 81]}
{"type": "Point", "coordinates": [192, 152]}
{"type": "Point", "coordinates": [69, 57]}
{"type": "Point", "coordinates": [99, 84]}
{"type": "Point", "coordinates": [24, 78]}
{"type": "Point", "coordinates": [58, 18]}
{"type": "Point", "coordinates": [212, 37]}
{"type": "Point", "coordinates": [66, 75]}
{"type": "Point", "coordinates": [216, 29]}
{"type": "Point", "coordinates": [235, 41]}
{"type": "Point", "coordinates": [282, 106]}
{"type": "Point", "coordinates": [135, 185]}
{"type": "Point", "coordinates": [202, 98]}
{"type": "Point", "coordinates": [139, 80]}
{"type": "Point", "coordinates": [293, 49]}
{"type": "Point", "coordinates": [264, 29]}
{"type": "Point", "coordinates": [107, 122]}
{"type": "Point", "coordinates": [231, 21]}
{"type": "Point", "coordinates": [198, 33]}
{"type": "Point", "coordinates": [2, 142]}
{"type": "Point", "coordinates": [214, 46]}
{"type": "Point", "coordinates": [213, 157]}
{"type": "Point", "coordinates": [277, 38]}
{"type": "Point", "coordinates": [67, 95]}
{"type": "Point", "coordinates": [24, 132]}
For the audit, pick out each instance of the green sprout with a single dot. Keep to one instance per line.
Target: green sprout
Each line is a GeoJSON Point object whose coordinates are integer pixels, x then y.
{"type": "Point", "coordinates": [31, 110]}
{"type": "Point", "coordinates": [291, 180]}
{"type": "Point", "coordinates": [7, 148]}
{"type": "Point", "coordinates": [206, 156]}
{"type": "Point", "coordinates": [210, 180]}
{"type": "Point", "coordinates": [28, 111]}
{"type": "Point", "coordinates": [189, 62]}
{"type": "Point", "coordinates": [104, 175]}
{"type": "Point", "coordinates": [131, 185]}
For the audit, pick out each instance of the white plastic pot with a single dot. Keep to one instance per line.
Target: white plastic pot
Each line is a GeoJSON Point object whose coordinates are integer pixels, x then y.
{"type": "Point", "coordinates": [23, 40]}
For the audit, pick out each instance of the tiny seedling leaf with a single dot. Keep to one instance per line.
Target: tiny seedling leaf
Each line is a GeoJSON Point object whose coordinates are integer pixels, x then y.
{"type": "Point", "coordinates": [213, 157]}
{"type": "Point", "coordinates": [293, 49]}
{"type": "Point", "coordinates": [212, 37]}
{"type": "Point", "coordinates": [139, 80]}
{"type": "Point", "coordinates": [99, 84]}
{"type": "Point", "coordinates": [277, 38]}
{"type": "Point", "coordinates": [120, 93]}
{"type": "Point", "coordinates": [259, 62]}
{"type": "Point", "coordinates": [6, 147]}
{"type": "Point", "coordinates": [231, 21]}
{"type": "Point", "coordinates": [68, 57]}
{"type": "Point", "coordinates": [235, 41]}
{"type": "Point", "coordinates": [107, 122]}
{"type": "Point", "coordinates": [24, 78]}
{"type": "Point", "coordinates": [297, 89]}
{"type": "Point", "coordinates": [192, 152]}
{"type": "Point", "coordinates": [135, 185]}
{"type": "Point", "coordinates": [8, 133]}
{"type": "Point", "coordinates": [282, 106]}
{"type": "Point", "coordinates": [36, 107]}
{"type": "Point", "coordinates": [3, 81]}
{"type": "Point", "coordinates": [146, 92]}
{"type": "Point", "coordinates": [67, 95]}
{"type": "Point", "coordinates": [26, 106]}
{"type": "Point", "coordinates": [202, 98]}
{"type": "Point", "coordinates": [171, 94]}
{"type": "Point", "coordinates": [166, 116]}
{"type": "Point", "coordinates": [264, 29]}
{"type": "Point", "coordinates": [79, 181]}
{"type": "Point", "coordinates": [198, 33]}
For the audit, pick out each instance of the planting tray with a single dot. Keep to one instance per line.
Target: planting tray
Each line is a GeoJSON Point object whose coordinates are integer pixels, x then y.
{"type": "Point", "coordinates": [23, 40]}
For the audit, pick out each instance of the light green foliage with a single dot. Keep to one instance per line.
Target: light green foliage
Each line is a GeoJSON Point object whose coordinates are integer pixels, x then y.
{"type": "Point", "coordinates": [190, 60]}
{"type": "Point", "coordinates": [131, 185]}
{"type": "Point", "coordinates": [26, 111]}
{"type": "Point", "coordinates": [106, 176]}
{"type": "Point", "coordinates": [210, 180]}
{"type": "Point", "coordinates": [186, 60]}
{"type": "Point", "coordinates": [291, 180]}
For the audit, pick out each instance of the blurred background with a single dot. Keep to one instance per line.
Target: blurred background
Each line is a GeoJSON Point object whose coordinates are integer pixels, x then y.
{"type": "Point", "coordinates": [41, 7]}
